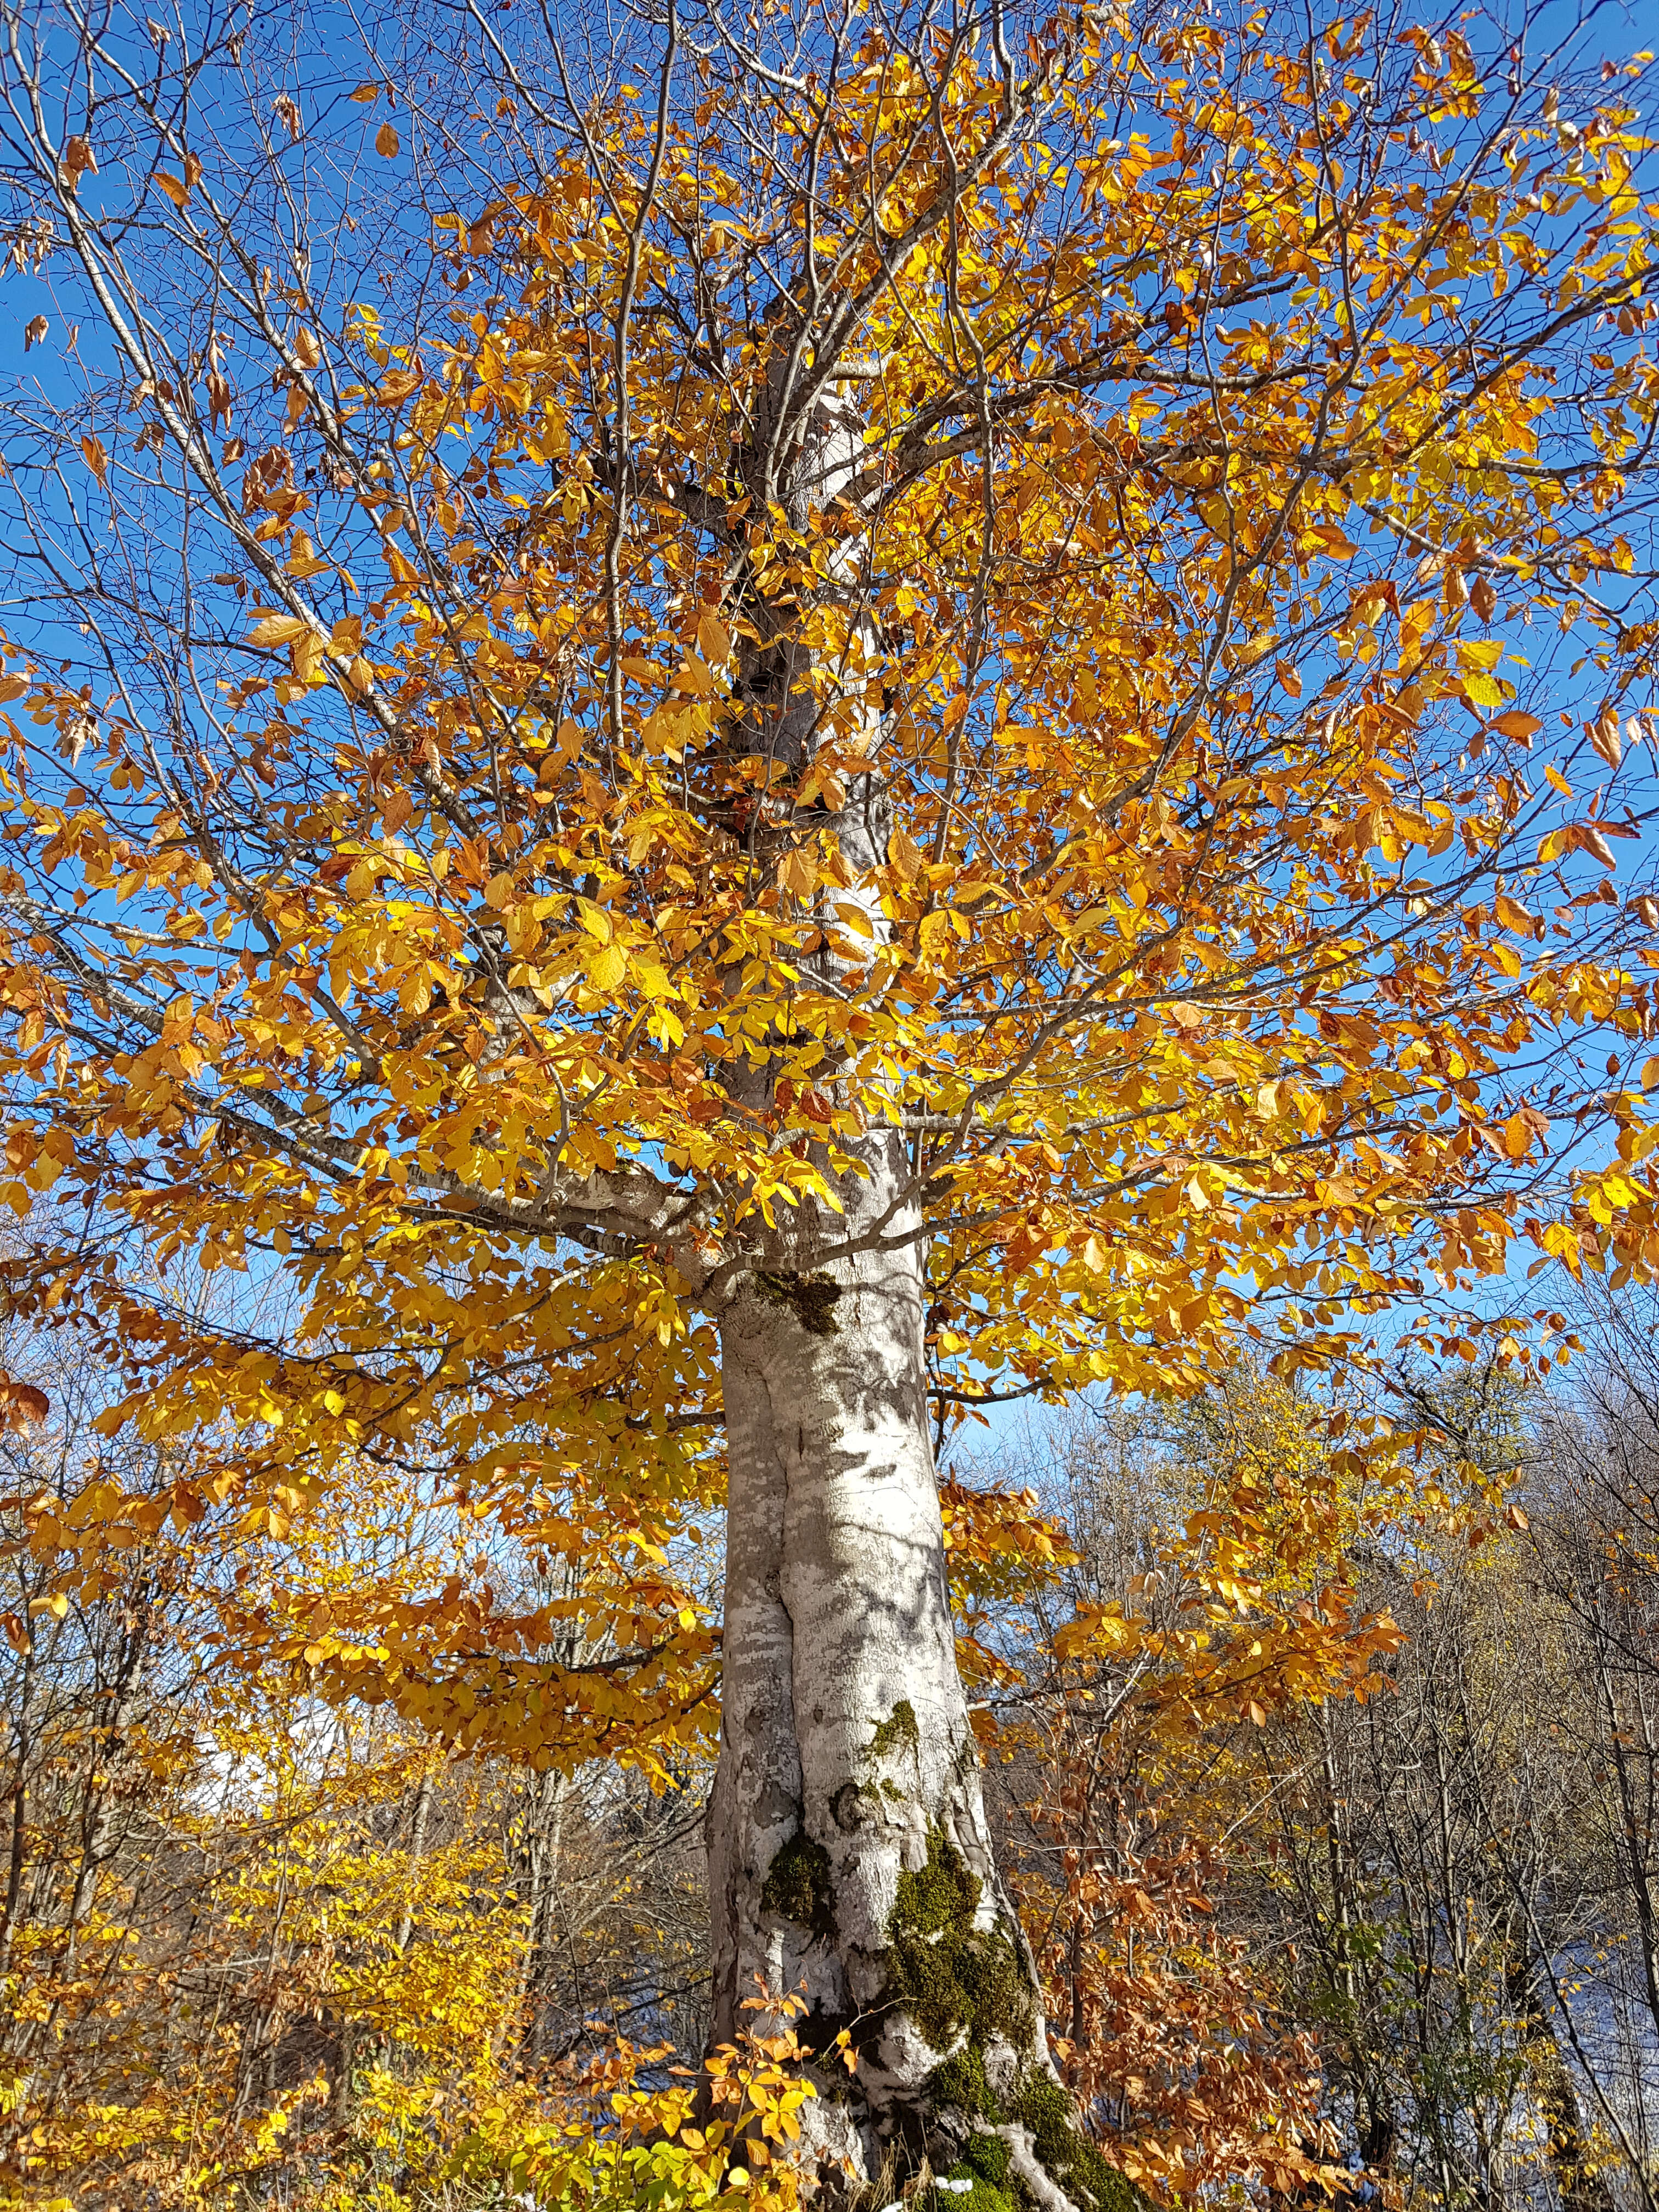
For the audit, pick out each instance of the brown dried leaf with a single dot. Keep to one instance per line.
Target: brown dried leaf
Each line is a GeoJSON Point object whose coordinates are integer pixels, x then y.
{"type": "Point", "coordinates": [1589, 839]}
{"type": "Point", "coordinates": [1514, 722]}
{"type": "Point", "coordinates": [1605, 738]}
{"type": "Point", "coordinates": [21, 1405]}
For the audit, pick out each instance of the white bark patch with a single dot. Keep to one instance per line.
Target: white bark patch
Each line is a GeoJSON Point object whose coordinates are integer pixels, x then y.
{"type": "Point", "coordinates": [1023, 2162]}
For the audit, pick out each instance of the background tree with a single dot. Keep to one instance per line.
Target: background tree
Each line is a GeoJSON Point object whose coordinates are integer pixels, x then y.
{"type": "Point", "coordinates": [1397, 1935]}
{"type": "Point", "coordinates": [1596, 1544]}
{"type": "Point", "coordinates": [893, 772]}
{"type": "Point", "coordinates": [1212, 1586]}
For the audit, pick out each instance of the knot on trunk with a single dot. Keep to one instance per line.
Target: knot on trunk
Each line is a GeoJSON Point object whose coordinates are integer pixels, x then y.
{"type": "Point", "coordinates": [811, 1298]}
{"type": "Point", "coordinates": [798, 1886]}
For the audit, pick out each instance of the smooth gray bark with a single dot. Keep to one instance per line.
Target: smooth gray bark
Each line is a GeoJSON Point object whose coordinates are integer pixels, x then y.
{"type": "Point", "coordinates": [844, 1724]}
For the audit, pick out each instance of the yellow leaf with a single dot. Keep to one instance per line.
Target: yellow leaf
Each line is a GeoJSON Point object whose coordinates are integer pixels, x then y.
{"type": "Point", "coordinates": [797, 873]}
{"type": "Point", "coordinates": [1553, 775]}
{"type": "Point", "coordinates": [277, 629]}
{"type": "Point", "coordinates": [176, 190]}
{"type": "Point", "coordinates": [607, 968]}
{"type": "Point", "coordinates": [901, 853]}
{"type": "Point", "coordinates": [386, 141]}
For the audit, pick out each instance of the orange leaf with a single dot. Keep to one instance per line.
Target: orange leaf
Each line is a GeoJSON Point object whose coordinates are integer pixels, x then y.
{"type": "Point", "coordinates": [1514, 723]}
{"type": "Point", "coordinates": [21, 1405]}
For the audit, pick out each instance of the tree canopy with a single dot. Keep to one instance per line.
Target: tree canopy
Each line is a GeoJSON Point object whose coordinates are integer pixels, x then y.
{"type": "Point", "coordinates": [854, 640]}
{"type": "Point", "coordinates": [420, 910]}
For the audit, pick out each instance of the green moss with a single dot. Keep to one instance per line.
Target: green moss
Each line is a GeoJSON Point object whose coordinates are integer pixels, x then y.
{"type": "Point", "coordinates": [811, 1298]}
{"type": "Point", "coordinates": [986, 2193]}
{"type": "Point", "coordinates": [899, 1728]}
{"type": "Point", "coordinates": [1064, 2151]}
{"type": "Point", "coordinates": [797, 1885]}
{"type": "Point", "coordinates": [964, 1987]}
{"type": "Point", "coordinates": [960, 2082]}
{"type": "Point", "coordinates": [988, 2156]}
{"type": "Point", "coordinates": [951, 1977]}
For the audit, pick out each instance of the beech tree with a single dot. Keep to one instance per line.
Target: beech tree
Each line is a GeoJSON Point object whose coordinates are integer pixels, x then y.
{"type": "Point", "coordinates": [724, 744]}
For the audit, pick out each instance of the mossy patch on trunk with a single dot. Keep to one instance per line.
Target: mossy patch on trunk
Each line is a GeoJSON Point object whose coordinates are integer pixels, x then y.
{"type": "Point", "coordinates": [1062, 2150]}
{"type": "Point", "coordinates": [965, 1989]}
{"type": "Point", "coordinates": [984, 2167]}
{"type": "Point", "coordinates": [898, 1730]}
{"type": "Point", "coordinates": [798, 1887]}
{"type": "Point", "coordinates": [958, 1983]}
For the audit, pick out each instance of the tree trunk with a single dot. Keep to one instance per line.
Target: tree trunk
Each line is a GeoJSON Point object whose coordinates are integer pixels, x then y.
{"type": "Point", "coordinates": [850, 1856]}
{"type": "Point", "coordinates": [850, 1859]}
